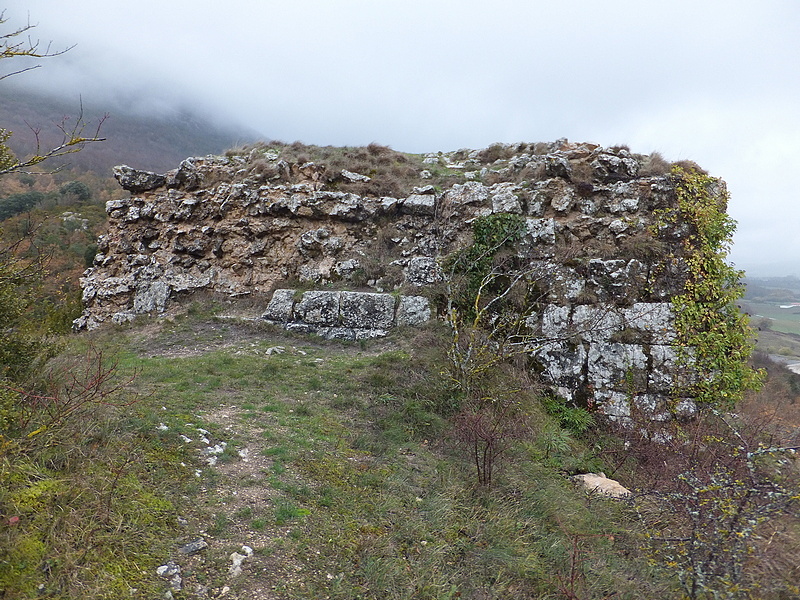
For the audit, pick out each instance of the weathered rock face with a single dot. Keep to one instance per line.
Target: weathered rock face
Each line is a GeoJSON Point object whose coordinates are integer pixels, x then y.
{"type": "Point", "coordinates": [607, 267]}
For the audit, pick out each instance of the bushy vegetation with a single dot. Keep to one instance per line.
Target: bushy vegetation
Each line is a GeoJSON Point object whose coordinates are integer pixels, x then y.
{"type": "Point", "coordinates": [712, 331]}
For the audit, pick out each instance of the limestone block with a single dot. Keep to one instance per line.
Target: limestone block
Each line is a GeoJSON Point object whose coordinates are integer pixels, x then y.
{"type": "Point", "coordinates": [366, 310]}
{"type": "Point", "coordinates": [563, 363]}
{"type": "Point", "coordinates": [137, 181]}
{"type": "Point", "coordinates": [615, 405]}
{"type": "Point", "coordinates": [412, 310]}
{"type": "Point", "coordinates": [617, 279]}
{"type": "Point", "coordinates": [318, 308]}
{"type": "Point", "coordinates": [599, 483]}
{"type": "Point", "coordinates": [349, 207]}
{"type": "Point", "coordinates": [653, 319]}
{"type": "Point", "coordinates": [609, 365]}
{"type": "Point", "coordinates": [504, 198]}
{"type": "Point", "coordinates": [312, 242]}
{"type": "Point", "coordinates": [563, 203]}
{"type": "Point", "coordinates": [471, 192]}
{"type": "Point", "coordinates": [280, 307]}
{"type": "Point", "coordinates": [420, 204]}
{"type": "Point", "coordinates": [612, 167]}
{"type": "Point", "coordinates": [354, 177]}
{"type": "Point", "coordinates": [350, 334]}
{"type": "Point", "coordinates": [652, 406]}
{"type": "Point", "coordinates": [346, 268]}
{"type": "Point", "coordinates": [555, 322]}
{"type": "Point", "coordinates": [557, 165]}
{"type": "Point", "coordinates": [151, 297]}
{"type": "Point", "coordinates": [113, 286]}
{"type": "Point", "coordinates": [618, 226]}
{"type": "Point", "coordinates": [346, 334]}
{"type": "Point", "coordinates": [665, 368]}
{"type": "Point", "coordinates": [541, 231]}
{"type": "Point", "coordinates": [596, 323]}
{"type": "Point", "coordinates": [113, 205]}
{"type": "Point", "coordinates": [423, 270]}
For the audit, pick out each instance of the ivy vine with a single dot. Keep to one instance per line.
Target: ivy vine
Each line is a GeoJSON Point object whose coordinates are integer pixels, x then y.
{"type": "Point", "coordinates": [713, 336]}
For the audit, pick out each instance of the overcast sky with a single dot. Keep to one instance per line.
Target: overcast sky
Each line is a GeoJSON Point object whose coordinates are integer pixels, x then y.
{"type": "Point", "coordinates": [717, 82]}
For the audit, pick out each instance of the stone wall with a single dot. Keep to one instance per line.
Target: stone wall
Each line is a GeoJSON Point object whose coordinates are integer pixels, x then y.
{"type": "Point", "coordinates": [345, 315]}
{"type": "Point", "coordinates": [606, 263]}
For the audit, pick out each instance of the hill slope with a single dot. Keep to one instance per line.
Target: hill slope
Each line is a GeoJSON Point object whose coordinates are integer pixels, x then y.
{"type": "Point", "coordinates": [156, 143]}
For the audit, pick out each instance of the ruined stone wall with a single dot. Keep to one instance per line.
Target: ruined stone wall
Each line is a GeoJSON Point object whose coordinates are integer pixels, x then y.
{"type": "Point", "coordinates": [607, 263]}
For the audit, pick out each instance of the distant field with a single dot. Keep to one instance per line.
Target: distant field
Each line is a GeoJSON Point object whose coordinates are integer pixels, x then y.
{"type": "Point", "coordinates": [784, 320]}
{"type": "Point", "coordinates": [783, 344]}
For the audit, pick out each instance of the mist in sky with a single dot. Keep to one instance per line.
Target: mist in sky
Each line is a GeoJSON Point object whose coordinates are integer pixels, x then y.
{"type": "Point", "coordinates": [715, 82]}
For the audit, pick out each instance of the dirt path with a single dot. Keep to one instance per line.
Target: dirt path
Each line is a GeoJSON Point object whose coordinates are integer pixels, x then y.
{"type": "Point", "coordinates": [242, 475]}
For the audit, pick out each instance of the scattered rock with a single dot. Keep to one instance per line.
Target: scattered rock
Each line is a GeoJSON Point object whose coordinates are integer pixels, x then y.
{"type": "Point", "coordinates": [237, 559]}
{"type": "Point", "coordinates": [172, 573]}
{"type": "Point", "coordinates": [354, 177]}
{"type": "Point", "coordinates": [138, 181]}
{"type": "Point", "coordinates": [195, 546]}
{"type": "Point", "coordinates": [420, 205]}
{"type": "Point", "coordinates": [599, 483]}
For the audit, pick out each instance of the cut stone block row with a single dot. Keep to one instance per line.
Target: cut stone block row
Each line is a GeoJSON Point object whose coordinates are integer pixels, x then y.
{"type": "Point", "coordinates": [350, 310]}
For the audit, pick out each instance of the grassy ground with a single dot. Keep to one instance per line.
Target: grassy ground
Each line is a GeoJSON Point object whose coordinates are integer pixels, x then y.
{"type": "Point", "coordinates": [328, 469]}
{"type": "Point", "coordinates": [332, 465]}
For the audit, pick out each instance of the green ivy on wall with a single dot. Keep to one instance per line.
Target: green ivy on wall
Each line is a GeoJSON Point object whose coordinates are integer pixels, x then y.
{"type": "Point", "coordinates": [714, 337]}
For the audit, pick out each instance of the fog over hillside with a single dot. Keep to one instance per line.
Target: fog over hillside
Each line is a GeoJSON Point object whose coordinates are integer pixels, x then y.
{"type": "Point", "coordinates": [157, 141]}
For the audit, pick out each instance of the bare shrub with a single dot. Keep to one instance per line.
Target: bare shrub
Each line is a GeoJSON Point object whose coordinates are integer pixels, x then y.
{"type": "Point", "coordinates": [263, 169]}
{"type": "Point", "coordinates": [375, 149]}
{"type": "Point", "coordinates": [713, 488]}
{"type": "Point", "coordinates": [642, 245]}
{"type": "Point", "coordinates": [487, 431]}
{"type": "Point", "coordinates": [690, 166]}
{"type": "Point", "coordinates": [654, 165]}
{"type": "Point", "coordinates": [496, 152]}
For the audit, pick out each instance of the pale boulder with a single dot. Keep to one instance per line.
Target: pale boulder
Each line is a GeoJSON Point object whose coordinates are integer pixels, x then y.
{"type": "Point", "coordinates": [600, 484]}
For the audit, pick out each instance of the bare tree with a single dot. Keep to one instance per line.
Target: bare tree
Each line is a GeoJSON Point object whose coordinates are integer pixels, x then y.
{"type": "Point", "coordinates": [74, 135]}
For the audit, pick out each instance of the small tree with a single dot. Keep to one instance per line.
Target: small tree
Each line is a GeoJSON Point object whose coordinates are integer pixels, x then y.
{"type": "Point", "coordinates": [488, 289]}
{"type": "Point", "coordinates": [22, 337]}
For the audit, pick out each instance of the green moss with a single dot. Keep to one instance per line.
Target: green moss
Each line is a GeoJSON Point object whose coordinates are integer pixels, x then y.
{"type": "Point", "coordinates": [20, 566]}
